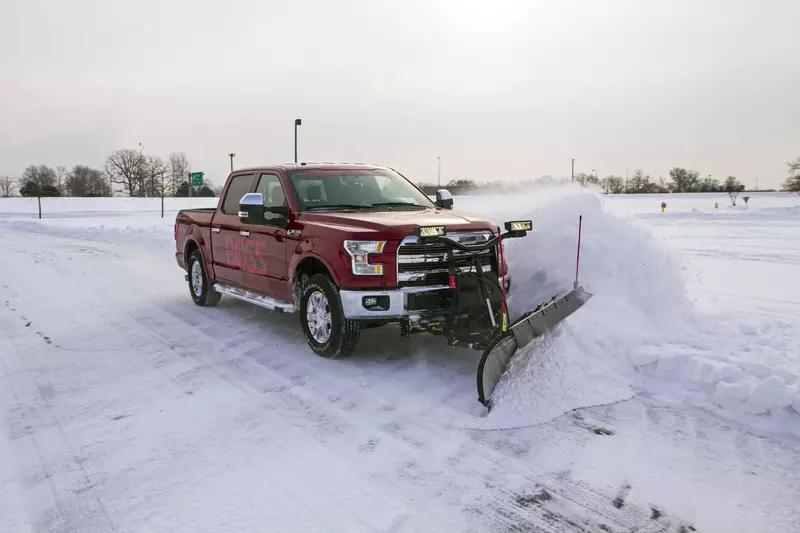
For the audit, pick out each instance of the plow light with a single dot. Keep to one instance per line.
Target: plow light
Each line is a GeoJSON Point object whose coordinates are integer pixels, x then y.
{"type": "Point", "coordinates": [519, 225]}
{"type": "Point", "coordinates": [430, 232]}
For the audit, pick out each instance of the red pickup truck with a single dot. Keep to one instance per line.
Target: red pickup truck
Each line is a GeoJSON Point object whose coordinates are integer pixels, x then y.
{"type": "Point", "coordinates": [341, 244]}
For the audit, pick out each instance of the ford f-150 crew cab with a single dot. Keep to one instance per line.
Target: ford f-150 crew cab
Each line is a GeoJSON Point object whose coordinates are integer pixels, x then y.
{"type": "Point", "coordinates": [341, 244]}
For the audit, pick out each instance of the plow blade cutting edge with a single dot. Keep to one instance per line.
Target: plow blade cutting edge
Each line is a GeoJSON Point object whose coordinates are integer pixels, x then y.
{"type": "Point", "coordinates": [522, 331]}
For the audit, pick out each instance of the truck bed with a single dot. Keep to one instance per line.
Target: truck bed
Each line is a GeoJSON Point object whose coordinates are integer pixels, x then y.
{"type": "Point", "coordinates": [196, 222]}
{"type": "Point", "coordinates": [200, 216]}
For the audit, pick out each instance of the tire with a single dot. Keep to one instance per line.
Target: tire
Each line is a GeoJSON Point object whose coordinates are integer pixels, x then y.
{"type": "Point", "coordinates": [203, 292]}
{"type": "Point", "coordinates": [320, 313]}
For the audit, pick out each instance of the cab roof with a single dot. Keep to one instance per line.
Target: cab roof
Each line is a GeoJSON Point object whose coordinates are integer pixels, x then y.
{"type": "Point", "coordinates": [313, 166]}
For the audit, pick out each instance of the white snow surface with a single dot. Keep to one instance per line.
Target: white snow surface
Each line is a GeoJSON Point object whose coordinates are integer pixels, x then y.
{"type": "Point", "coordinates": [127, 408]}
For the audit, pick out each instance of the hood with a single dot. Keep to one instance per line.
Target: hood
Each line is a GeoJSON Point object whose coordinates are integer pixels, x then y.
{"type": "Point", "coordinates": [397, 223]}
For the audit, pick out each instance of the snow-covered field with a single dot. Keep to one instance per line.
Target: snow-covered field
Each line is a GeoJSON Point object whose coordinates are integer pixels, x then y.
{"type": "Point", "coordinates": [670, 402]}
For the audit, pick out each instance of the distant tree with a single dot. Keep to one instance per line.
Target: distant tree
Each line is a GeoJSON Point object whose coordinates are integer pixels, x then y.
{"type": "Point", "coordinates": [708, 184]}
{"type": "Point", "coordinates": [639, 183]}
{"type": "Point", "coordinates": [39, 181]}
{"type": "Point", "coordinates": [733, 187]}
{"type": "Point", "coordinates": [183, 190]}
{"type": "Point", "coordinates": [7, 186]}
{"type": "Point", "coordinates": [792, 183]}
{"type": "Point", "coordinates": [467, 184]}
{"type": "Point", "coordinates": [179, 169]}
{"type": "Point", "coordinates": [612, 185]}
{"type": "Point", "coordinates": [651, 188]}
{"type": "Point", "coordinates": [30, 189]}
{"type": "Point", "coordinates": [61, 173]}
{"type": "Point", "coordinates": [683, 180]}
{"type": "Point", "coordinates": [37, 177]}
{"type": "Point", "coordinates": [158, 179]}
{"type": "Point", "coordinates": [586, 179]}
{"type": "Point", "coordinates": [205, 192]}
{"type": "Point", "coordinates": [662, 185]}
{"type": "Point", "coordinates": [154, 177]}
{"type": "Point", "coordinates": [126, 168]}
{"type": "Point", "coordinates": [85, 181]}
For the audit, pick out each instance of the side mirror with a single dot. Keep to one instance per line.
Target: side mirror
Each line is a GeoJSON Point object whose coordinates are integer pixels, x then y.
{"type": "Point", "coordinates": [444, 199]}
{"type": "Point", "coordinates": [251, 208]}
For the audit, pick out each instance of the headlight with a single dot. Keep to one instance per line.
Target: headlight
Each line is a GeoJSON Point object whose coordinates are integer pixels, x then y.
{"type": "Point", "coordinates": [359, 253]}
{"type": "Point", "coordinates": [519, 225]}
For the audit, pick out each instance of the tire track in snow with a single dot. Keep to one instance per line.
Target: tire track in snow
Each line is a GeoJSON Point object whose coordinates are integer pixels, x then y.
{"type": "Point", "coordinates": [580, 494]}
{"type": "Point", "coordinates": [71, 489]}
{"type": "Point", "coordinates": [137, 336]}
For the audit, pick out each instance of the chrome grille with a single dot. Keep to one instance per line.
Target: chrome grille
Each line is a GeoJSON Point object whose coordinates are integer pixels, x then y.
{"type": "Point", "coordinates": [426, 264]}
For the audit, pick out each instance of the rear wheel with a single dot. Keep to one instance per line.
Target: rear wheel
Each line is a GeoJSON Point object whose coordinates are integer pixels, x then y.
{"type": "Point", "coordinates": [200, 287]}
{"type": "Point", "coordinates": [325, 327]}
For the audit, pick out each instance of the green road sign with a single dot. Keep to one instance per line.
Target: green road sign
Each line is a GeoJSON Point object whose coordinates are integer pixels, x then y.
{"type": "Point", "coordinates": [197, 179]}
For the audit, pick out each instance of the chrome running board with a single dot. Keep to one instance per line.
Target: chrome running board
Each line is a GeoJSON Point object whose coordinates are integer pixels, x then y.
{"type": "Point", "coordinates": [254, 298]}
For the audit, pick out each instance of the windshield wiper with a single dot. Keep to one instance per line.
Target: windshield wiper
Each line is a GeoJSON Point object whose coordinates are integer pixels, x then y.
{"type": "Point", "coordinates": [336, 206]}
{"type": "Point", "coordinates": [397, 204]}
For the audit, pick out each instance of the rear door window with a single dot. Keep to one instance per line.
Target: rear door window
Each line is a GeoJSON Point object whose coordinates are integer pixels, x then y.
{"type": "Point", "coordinates": [239, 186]}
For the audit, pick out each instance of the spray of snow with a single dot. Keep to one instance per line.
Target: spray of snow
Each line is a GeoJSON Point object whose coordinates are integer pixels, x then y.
{"type": "Point", "coordinates": [639, 333]}
{"type": "Point", "coordinates": [590, 358]}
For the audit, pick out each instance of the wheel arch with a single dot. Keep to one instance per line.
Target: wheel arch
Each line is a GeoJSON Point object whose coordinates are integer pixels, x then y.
{"type": "Point", "coordinates": [195, 241]}
{"type": "Point", "coordinates": [310, 264]}
{"type": "Point", "coordinates": [305, 267]}
{"type": "Point", "coordinates": [190, 246]}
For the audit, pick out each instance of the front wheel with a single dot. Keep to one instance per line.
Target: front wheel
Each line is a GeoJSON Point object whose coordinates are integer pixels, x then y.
{"type": "Point", "coordinates": [329, 333]}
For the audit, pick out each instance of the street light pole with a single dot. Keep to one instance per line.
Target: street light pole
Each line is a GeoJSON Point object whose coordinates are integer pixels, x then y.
{"type": "Point", "coordinates": [141, 168]}
{"type": "Point", "coordinates": [297, 122]}
{"type": "Point", "coordinates": [573, 169]}
{"type": "Point", "coordinates": [231, 155]}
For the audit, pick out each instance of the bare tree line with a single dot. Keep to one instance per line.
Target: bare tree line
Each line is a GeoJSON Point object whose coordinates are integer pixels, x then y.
{"type": "Point", "coordinates": [134, 174]}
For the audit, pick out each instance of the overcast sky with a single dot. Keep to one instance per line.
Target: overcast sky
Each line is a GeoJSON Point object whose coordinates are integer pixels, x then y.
{"type": "Point", "coordinates": [498, 89]}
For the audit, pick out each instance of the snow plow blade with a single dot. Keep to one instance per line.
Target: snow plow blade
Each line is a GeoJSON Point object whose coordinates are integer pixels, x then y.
{"type": "Point", "coordinates": [521, 332]}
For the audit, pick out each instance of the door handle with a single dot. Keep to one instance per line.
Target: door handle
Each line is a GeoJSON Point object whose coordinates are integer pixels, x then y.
{"type": "Point", "coordinates": [244, 233]}
{"type": "Point", "coordinates": [215, 229]}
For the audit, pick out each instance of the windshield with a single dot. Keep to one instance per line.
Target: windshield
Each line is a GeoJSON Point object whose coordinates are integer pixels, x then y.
{"type": "Point", "coordinates": [355, 189]}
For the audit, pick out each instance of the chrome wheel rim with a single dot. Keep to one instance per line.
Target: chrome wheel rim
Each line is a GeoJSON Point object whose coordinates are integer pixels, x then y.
{"type": "Point", "coordinates": [318, 317]}
{"type": "Point", "coordinates": [197, 279]}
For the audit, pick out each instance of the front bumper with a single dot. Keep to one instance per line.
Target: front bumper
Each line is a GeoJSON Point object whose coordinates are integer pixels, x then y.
{"type": "Point", "coordinates": [365, 304]}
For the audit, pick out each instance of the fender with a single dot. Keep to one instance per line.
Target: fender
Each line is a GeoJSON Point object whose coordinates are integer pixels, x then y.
{"type": "Point", "coordinates": [195, 236]}
{"type": "Point", "coordinates": [315, 247]}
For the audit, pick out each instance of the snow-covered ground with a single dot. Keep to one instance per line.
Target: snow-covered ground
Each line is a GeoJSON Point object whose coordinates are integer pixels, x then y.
{"type": "Point", "coordinates": [670, 402]}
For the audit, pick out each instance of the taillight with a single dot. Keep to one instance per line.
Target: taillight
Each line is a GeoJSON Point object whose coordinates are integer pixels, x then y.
{"type": "Point", "coordinates": [175, 231]}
